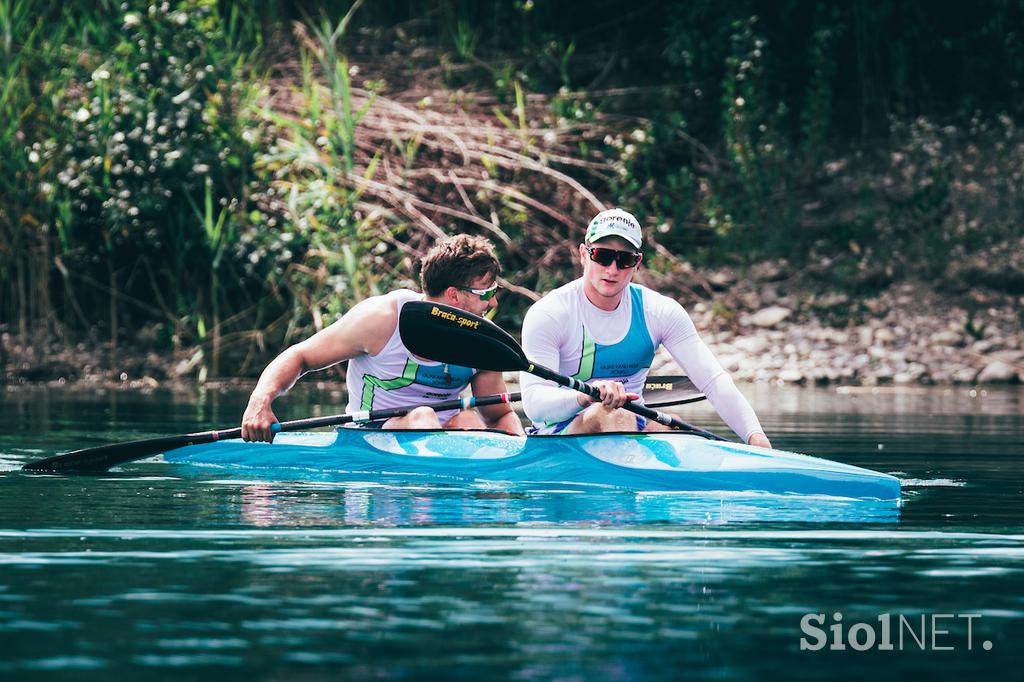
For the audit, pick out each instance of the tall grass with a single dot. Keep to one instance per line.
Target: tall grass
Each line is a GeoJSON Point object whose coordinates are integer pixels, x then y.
{"type": "Point", "coordinates": [28, 85]}
{"type": "Point", "coordinates": [311, 231]}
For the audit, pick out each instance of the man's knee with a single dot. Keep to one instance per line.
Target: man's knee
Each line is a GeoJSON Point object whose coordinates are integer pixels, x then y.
{"type": "Point", "coordinates": [597, 418]}
{"type": "Point", "coordinates": [466, 419]}
{"type": "Point", "coordinates": [422, 418]}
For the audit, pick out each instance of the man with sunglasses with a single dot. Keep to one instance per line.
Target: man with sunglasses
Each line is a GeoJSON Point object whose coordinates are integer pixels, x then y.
{"type": "Point", "coordinates": [460, 271]}
{"type": "Point", "coordinates": [603, 329]}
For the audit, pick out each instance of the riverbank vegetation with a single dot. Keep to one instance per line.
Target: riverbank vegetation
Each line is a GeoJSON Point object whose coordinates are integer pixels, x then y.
{"type": "Point", "coordinates": [211, 181]}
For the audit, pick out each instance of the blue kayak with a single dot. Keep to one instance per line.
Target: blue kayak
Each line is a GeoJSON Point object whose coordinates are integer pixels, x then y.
{"type": "Point", "coordinates": [669, 461]}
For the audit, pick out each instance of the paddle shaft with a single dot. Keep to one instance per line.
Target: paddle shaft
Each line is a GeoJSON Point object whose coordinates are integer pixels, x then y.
{"type": "Point", "coordinates": [648, 413]}
{"type": "Point", "coordinates": [99, 459]}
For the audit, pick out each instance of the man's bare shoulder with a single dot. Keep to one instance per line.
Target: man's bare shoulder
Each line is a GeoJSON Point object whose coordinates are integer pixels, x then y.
{"type": "Point", "coordinates": [376, 314]}
{"type": "Point", "coordinates": [373, 321]}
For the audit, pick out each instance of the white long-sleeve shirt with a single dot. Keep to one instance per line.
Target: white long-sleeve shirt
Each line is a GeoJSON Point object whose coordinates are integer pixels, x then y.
{"type": "Point", "coordinates": [566, 332]}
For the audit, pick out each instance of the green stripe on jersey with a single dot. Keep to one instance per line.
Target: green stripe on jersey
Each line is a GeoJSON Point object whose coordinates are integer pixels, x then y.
{"type": "Point", "coordinates": [372, 383]}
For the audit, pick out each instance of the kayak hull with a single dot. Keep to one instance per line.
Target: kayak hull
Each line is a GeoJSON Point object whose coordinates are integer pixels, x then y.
{"type": "Point", "coordinates": [638, 461]}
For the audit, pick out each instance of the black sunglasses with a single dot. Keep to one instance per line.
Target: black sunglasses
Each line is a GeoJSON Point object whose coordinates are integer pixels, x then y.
{"type": "Point", "coordinates": [605, 257]}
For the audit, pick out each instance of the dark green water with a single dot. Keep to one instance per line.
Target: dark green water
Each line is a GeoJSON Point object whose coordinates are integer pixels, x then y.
{"type": "Point", "coordinates": [158, 571]}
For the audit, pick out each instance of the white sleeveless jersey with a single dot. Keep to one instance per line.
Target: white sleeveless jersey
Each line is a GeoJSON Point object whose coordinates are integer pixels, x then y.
{"type": "Point", "coordinates": [394, 378]}
{"type": "Point", "coordinates": [568, 333]}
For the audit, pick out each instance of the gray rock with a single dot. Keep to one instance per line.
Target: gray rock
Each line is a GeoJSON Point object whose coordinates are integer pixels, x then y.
{"type": "Point", "coordinates": [769, 271]}
{"type": "Point", "coordinates": [771, 316]}
{"type": "Point", "coordinates": [750, 300]}
{"type": "Point", "coordinates": [878, 353]}
{"type": "Point", "coordinates": [823, 375]}
{"type": "Point", "coordinates": [884, 373]}
{"type": "Point", "coordinates": [884, 335]}
{"type": "Point", "coordinates": [998, 372]}
{"type": "Point", "coordinates": [791, 376]}
{"type": "Point", "coordinates": [722, 279]}
{"type": "Point", "coordinates": [984, 346]}
{"type": "Point", "coordinates": [1009, 356]}
{"type": "Point", "coordinates": [946, 338]}
{"type": "Point", "coordinates": [731, 363]}
{"type": "Point", "coordinates": [753, 345]}
{"type": "Point", "coordinates": [865, 335]}
{"type": "Point", "coordinates": [965, 375]}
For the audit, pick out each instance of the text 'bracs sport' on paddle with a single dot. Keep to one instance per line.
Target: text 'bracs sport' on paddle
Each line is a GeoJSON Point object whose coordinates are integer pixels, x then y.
{"type": "Point", "coordinates": [446, 334]}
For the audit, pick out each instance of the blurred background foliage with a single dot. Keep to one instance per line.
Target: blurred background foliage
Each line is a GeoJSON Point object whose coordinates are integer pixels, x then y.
{"type": "Point", "coordinates": [220, 179]}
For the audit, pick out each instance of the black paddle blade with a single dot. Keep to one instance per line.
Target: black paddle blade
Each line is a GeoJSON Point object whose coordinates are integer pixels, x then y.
{"type": "Point", "coordinates": [670, 385]}
{"type": "Point", "coordinates": [101, 458]}
{"type": "Point", "coordinates": [445, 334]}
{"type": "Point", "coordinates": [662, 391]}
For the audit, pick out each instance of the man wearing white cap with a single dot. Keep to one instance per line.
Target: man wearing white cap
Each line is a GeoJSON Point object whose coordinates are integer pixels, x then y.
{"type": "Point", "coordinates": [604, 330]}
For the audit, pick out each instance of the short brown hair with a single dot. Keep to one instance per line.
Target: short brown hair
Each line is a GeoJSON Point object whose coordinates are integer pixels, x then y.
{"type": "Point", "coordinates": [457, 261]}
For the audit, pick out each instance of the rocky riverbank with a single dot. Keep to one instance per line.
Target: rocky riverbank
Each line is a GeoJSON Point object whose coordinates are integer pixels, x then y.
{"type": "Point", "coordinates": [907, 334]}
{"type": "Point", "coordinates": [762, 325]}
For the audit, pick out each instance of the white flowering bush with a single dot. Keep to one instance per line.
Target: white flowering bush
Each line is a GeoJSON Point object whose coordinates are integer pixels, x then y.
{"type": "Point", "coordinates": [157, 159]}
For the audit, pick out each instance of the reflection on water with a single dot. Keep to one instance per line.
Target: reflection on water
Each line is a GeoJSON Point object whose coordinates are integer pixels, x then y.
{"type": "Point", "coordinates": [160, 570]}
{"type": "Point", "coordinates": [360, 503]}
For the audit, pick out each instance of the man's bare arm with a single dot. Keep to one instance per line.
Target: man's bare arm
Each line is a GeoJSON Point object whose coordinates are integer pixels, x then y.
{"type": "Point", "coordinates": [363, 329]}
{"type": "Point", "coordinates": [500, 416]}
